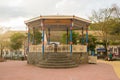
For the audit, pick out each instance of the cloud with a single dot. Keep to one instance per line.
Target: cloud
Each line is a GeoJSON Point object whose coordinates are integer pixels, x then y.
{"type": "Point", "coordinates": [16, 11]}
{"type": "Point", "coordinates": [26, 8]}
{"type": "Point", "coordinates": [82, 8]}
{"type": "Point", "coordinates": [15, 24]}
{"type": "Point", "coordinates": [71, 7]}
{"type": "Point", "coordinates": [8, 12]}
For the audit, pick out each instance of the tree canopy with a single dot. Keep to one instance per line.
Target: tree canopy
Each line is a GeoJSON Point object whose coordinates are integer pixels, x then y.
{"type": "Point", "coordinates": [74, 37]}
{"type": "Point", "coordinates": [107, 21]}
{"type": "Point", "coordinates": [35, 36]}
{"type": "Point", "coordinates": [92, 42]}
{"type": "Point", "coordinates": [17, 41]}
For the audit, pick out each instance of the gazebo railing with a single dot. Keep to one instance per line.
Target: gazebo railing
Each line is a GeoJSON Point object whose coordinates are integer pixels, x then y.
{"type": "Point", "coordinates": [59, 48]}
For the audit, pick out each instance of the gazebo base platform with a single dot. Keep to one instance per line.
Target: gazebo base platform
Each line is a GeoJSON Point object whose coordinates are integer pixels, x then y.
{"type": "Point", "coordinates": [55, 60]}
{"type": "Point", "coordinates": [58, 60]}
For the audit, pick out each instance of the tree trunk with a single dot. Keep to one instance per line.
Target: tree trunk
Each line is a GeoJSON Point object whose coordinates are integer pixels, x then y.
{"type": "Point", "coordinates": [106, 43]}
{"type": "Point", "coordinates": [1, 53]}
{"type": "Point", "coordinates": [106, 49]}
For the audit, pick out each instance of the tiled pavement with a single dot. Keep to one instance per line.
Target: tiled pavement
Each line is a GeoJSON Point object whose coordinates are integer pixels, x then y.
{"type": "Point", "coordinates": [20, 70]}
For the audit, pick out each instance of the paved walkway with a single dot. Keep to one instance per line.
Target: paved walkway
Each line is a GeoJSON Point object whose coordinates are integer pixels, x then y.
{"type": "Point", "coordinates": [20, 70]}
{"type": "Point", "coordinates": [115, 64]}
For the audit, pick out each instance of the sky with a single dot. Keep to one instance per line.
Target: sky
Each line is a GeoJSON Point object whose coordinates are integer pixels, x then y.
{"type": "Point", "coordinates": [13, 13]}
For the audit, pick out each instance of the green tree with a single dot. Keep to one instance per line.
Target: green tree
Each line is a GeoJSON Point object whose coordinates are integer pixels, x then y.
{"type": "Point", "coordinates": [115, 27]}
{"type": "Point", "coordinates": [102, 22]}
{"type": "Point", "coordinates": [3, 43]}
{"type": "Point", "coordinates": [35, 37]}
{"type": "Point", "coordinates": [17, 41]}
{"type": "Point", "coordinates": [92, 42]}
{"type": "Point", "coordinates": [74, 38]}
{"type": "Point", "coordinates": [1, 48]}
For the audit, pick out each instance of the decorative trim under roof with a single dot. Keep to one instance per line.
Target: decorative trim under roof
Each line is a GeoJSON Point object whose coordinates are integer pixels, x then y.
{"type": "Point", "coordinates": [57, 17]}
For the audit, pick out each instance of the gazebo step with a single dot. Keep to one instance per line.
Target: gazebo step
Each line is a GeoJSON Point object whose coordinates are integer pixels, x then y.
{"type": "Point", "coordinates": [59, 61]}
{"type": "Point", "coordinates": [60, 66]}
{"type": "Point", "coordinates": [47, 63]}
{"type": "Point", "coordinates": [55, 60]}
{"type": "Point", "coordinates": [57, 56]}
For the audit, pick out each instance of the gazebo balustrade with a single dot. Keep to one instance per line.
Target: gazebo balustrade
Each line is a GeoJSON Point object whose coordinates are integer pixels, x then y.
{"type": "Point", "coordinates": [60, 48]}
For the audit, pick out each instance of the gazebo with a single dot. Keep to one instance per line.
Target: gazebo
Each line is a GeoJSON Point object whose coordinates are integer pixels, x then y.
{"type": "Point", "coordinates": [41, 54]}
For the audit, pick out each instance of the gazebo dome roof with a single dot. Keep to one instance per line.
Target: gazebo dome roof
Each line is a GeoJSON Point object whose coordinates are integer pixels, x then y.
{"type": "Point", "coordinates": [58, 22]}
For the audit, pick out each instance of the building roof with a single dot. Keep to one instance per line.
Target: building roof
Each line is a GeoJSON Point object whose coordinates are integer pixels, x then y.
{"type": "Point", "coordinates": [58, 22]}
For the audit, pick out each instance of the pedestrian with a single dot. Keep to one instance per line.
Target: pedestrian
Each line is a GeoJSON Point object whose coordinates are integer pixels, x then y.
{"type": "Point", "coordinates": [110, 55]}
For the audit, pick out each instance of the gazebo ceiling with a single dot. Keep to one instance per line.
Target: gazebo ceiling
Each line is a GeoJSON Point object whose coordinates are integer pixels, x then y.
{"type": "Point", "coordinates": [58, 22]}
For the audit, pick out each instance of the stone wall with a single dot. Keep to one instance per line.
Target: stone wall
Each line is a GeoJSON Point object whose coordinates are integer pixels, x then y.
{"type": "Point", "coordinates": [80, 57]}
{"type": "Point", "coordinates": [35, 58]}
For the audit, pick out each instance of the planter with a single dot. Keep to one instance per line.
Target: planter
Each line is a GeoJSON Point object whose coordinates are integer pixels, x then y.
{"type": "Point", "coordinates": [2, 59]}
{"type": "Point", "coordinates": [92, 59]}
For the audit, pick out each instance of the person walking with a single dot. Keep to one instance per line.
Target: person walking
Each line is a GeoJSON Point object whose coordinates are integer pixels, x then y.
{"type": "Point", "coordinates": [110, 55]}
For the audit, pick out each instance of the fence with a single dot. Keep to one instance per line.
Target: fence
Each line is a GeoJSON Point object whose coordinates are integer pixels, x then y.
{"type": "Point", "coordinates": [58, 48]}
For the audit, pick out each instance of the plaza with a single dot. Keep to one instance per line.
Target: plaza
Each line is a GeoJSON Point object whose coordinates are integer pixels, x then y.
{"type": "Point", "coordinates": [19, 70]}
